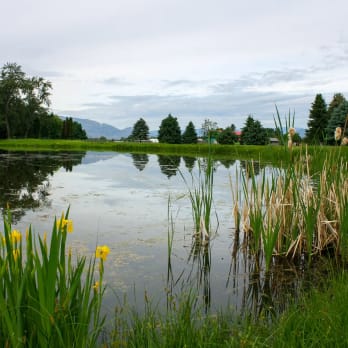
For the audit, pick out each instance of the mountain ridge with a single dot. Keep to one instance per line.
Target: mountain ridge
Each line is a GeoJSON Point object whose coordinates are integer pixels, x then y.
{"type": "Point", "coordinates": [96, 130]}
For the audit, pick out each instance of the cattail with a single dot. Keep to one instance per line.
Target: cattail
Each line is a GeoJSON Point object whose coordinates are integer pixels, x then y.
{"type": "Point", "coordinates": [338, 133]}
{"type": "Point", "coordinates": [344, 141]}
{"type": "Point", "coordinates": [292, 132]}
{"type": "Point", "coordinates": [290, 144]}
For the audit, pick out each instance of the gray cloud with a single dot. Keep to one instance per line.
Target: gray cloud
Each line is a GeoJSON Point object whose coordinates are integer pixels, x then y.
{"type": "Point", "coordinates": [116, 81]}
{"type": "Point", "coordinates": [116, 61]}
{"type": "Point", "coordinates": [225, 109]}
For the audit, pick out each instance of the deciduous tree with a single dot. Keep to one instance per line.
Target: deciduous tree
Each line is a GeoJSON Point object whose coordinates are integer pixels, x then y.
{"type": "Point", "coordinates": [12, 80]}
{"type": "Point", "coordinates": [228, 136]}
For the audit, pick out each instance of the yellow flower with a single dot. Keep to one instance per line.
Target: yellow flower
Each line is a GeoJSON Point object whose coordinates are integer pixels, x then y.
{"type": "Point", "coordinates": [96, 286]}
{"type": "Point", "coordinates": [15, 236]}
{"type": "Point", "coordinates": [102, 252]}
{"type": "Point", "coordinates": [65, 223]}
{"type": "Point", "coordinates": [16, 254]}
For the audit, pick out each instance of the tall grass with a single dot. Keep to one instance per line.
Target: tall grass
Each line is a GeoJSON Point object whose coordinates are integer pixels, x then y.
{"type": "Point", "coordinates": [295, 212]}
{"type": "Point", "coordinates": [200, 193]}
{"type": "Point", "coordinates": [47, 299]}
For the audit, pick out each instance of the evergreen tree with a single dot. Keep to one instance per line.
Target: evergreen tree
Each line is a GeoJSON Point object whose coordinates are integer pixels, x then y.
{"type": "Point", "coordinates": [169, 131]}
{"type": "Point", "coordinates": [337, 99]}
{"type": "Point", "coordinates": [190, 135]}
{"type": "Point", "coordinates": [253, 133]}
{"type": "Point", "coordinates": [339, 118]}
{"type": "Point", "coordinates": [78, 132]}
{"type": "Point", "coordinates": [140, 130]}
{"type": "Point", "coordinates": [318, 121]}
{"type": "Point", "coordinates": [228, 136]}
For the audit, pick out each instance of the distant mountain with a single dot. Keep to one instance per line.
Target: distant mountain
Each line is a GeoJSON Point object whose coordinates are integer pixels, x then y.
{"type": "Point", "coordinates": [301, 132]}
{"type": "Point", "coordinates": [96, 130]}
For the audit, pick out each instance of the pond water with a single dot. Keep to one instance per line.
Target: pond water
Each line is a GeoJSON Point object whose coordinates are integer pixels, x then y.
{"type": "Point", "coordinates": [129, 202]}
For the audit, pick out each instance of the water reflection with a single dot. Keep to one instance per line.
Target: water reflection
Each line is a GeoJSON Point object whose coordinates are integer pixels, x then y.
{"type": "Point", "coordinates": [169, 164]}
{"type": "Point", "coordinates": [252, 166]}
{"type": "Point", "coordinates": [24, 179]}
{"type": "Point", "coordinates": [140, 160]}
{"type": "Point", "coordinates": [227, 163]}
{"type": "Point", "coordinates": [115, 200]}
{"type": "Point", "coordinates": [189, 162]}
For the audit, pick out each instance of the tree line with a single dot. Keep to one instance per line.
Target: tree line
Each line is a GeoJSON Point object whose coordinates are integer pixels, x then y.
{"type": "Point", "coordinates": [24, 113]}
{"type": "Point", "coordinates": [24, 108]}
{"type": "Point", "coordinates": [253, 133]}
{"type": "Point", "coordinates": [324, 123]}
{"type": "Point", "coordinates": [324, 120]}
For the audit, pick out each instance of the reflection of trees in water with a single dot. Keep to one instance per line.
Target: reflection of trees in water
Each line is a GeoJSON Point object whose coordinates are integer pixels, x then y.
{"type": "Point", "coordinates": [252, 166]}
{"type": "Point", "coordinates": [24, 182]}
{"type": "Point", "coordinates": [198, 276]}
{"type": "Point", "coordinates": [169, 164]}
{"type": "Point", "coordinates": [201, 258]}
{"type": "Point", "coordinates": [140, 160]}
{"type": "Point", "coordinates": [254, 292]}
{"type": "Point", "coordinates": [268, 293]}
{"type": "Point", "coordinates": [227, 163]}
{"type": "Point", "coordinates": [189, 162]}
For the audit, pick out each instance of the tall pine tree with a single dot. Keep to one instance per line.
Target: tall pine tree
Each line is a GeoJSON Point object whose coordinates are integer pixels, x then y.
{"type": "Point", "coordinates": [339, 118]}
{"type": "Point", "coordinates": [169, 131]}
{"type": "Point", "coordinates": [140, 130]}
{"type": "Point", "coordinates": [253, 133]}
{"type": "Point", "coordinates": [190, 135]}
{"type": "Point", "coordinates": [318, 121]}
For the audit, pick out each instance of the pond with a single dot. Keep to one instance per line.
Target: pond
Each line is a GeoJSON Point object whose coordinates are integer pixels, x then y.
{"type": "Point", "coordinates": [131, 202]}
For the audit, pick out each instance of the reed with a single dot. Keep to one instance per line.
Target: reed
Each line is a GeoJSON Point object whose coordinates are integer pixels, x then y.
{"type": "Point", "coordinates": [200, 193]}
{"type": "Point", "coordinates": [46, 298]}
{"type": "Point", "coordinates": [295, 212]}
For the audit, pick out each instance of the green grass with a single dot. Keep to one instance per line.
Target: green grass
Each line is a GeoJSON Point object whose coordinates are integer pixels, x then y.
{"type": "Point", "coordinates": [267, 153]}
{"type": "Point", "coordinates": [47, 299]}
{"type": "Point", "coordinates": [318, 319]}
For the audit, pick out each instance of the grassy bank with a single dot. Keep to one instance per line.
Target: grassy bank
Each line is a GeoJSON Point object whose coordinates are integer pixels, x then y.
{"type": "Point", "coordinates": [318, 320]}
{"type": "Point", "coordinates": [267, 153]}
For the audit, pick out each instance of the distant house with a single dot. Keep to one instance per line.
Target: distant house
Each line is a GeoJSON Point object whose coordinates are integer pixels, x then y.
{"type": "Point", "coordinates": [274, 141]}
{"type": "Point", "coordinates": [238, 133]}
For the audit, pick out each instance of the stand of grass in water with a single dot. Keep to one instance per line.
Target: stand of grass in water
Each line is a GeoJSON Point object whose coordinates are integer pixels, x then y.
{"type": "Point", "coordinates": [296, 211]}
{"type": "Point", "coordinates": [46, 298]}
{"type": "Point", "coordinates": [318, 319]}
{"type": "Point", "coordinates": [200, 193]}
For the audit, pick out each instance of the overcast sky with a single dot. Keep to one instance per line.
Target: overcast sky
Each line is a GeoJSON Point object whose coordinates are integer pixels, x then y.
{"type": "Point", "coordinates": [115, 61]}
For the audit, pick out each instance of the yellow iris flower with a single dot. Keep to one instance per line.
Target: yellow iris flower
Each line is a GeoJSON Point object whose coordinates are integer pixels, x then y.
{"type": "Point", "coordinates": [15, 236]}
{"type": "Point", "coordinates": [16, 254]}
{"type": "Point", "coordinates": [102, 252]}
{"type": "Point", "coordinates": [66, 223]}
{"type": "Point", "coordinates": [96, 286]}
